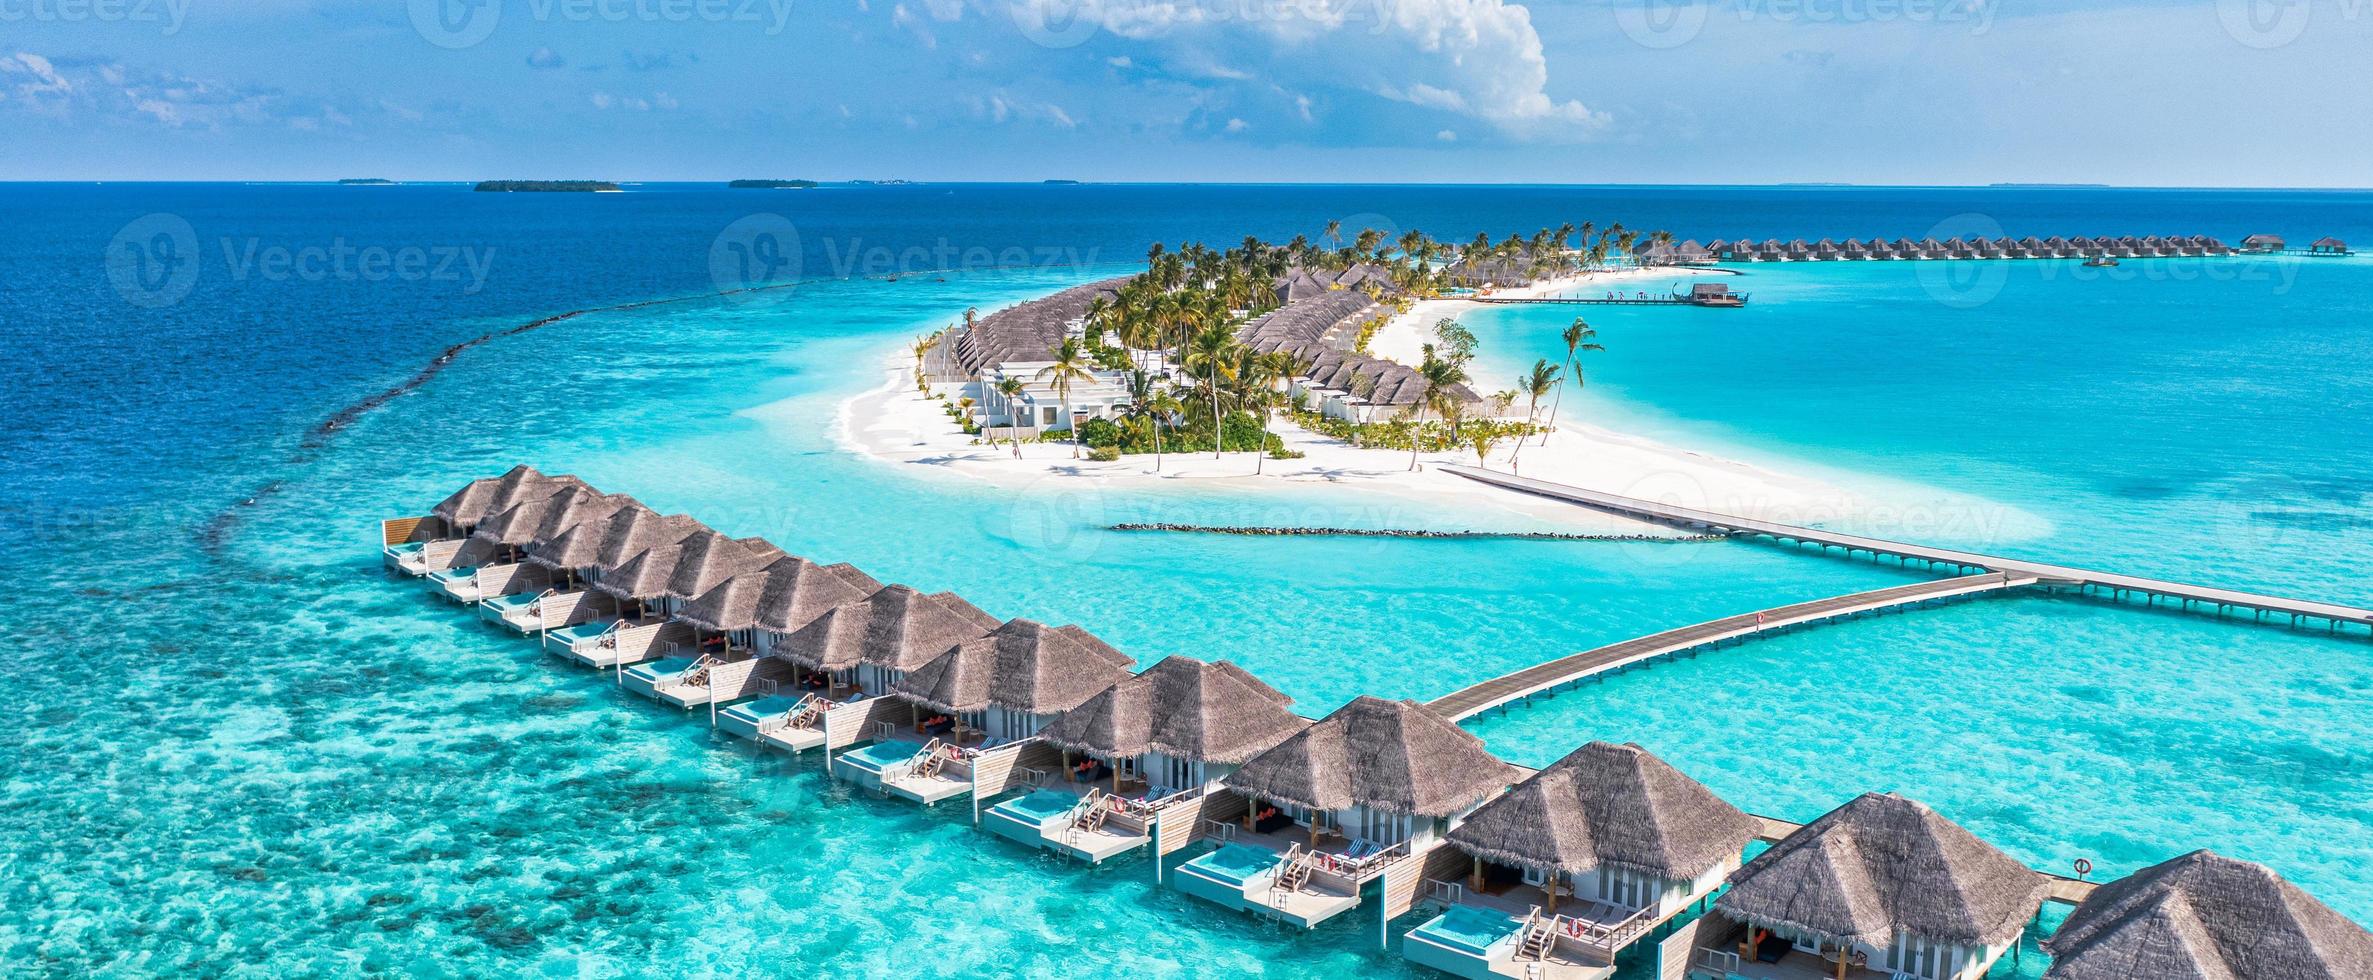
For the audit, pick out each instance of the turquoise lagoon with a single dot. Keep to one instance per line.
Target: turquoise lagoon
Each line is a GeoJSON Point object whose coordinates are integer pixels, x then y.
{"type": "Point", "coordinates": [296, 765]}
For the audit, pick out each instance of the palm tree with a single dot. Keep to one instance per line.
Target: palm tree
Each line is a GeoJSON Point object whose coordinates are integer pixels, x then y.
{"type": "Point", "coordinates": [1160, 406]}
{"type": "Point", "coordinates": [923, 345]}
{"type": "Point", "coordinates": [1071, 364]}
{"type": "Point", "coordinates": [1440, 376]}
{"type": "Point", "coordinates": [1334, 233]}
{"type": "Point", "coordinates": [1267, 370]}
{"type": "Point", "coordinates": [1534, 385]}
{"type": "Point", "coordinates": [1483, 438]}
{"type": "Point", "coordinates": [1578, 337]}
{"type": "Point", "coordinates": [1011, 388]}
{"type": "Point", "coordinates": [1212, 353]}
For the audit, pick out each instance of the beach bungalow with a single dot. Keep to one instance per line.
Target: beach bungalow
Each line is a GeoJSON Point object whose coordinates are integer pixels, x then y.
{"type": "Point", "coordinates": [1339, 804]}
{"type": "Point", "coordinates": [1169, 733]}
{"type": "Point", "coordinates": [2262, 244]}
{"type": "Point", "coordinates": [1882, 887]}
{"type": "Point", "coordinates": [1930, 248]}
{"type": "Point", "coordinates": [983, 692]}
{"type": "Point", "coordinates": [1772, 250]}
{"type": "Point", "coordinates": [1854, 250]}
{"type": "Point", "coordinates": [2152, 245]}
{"type": "Point", "coordinates": [1827, 250]}
{"type": "Point", "coordinates": [2058, 247]}
{"type": "Point", "coordinates": [2207, 917]}
{"type": "Point", "coordinates": [791, 594]}
{"type": "Point", "coordinates": [1574, 864]}
{"type": "Point", "coordinates": [2327, 246]}
{"type": "Point", "coordinates": [2032, 247]}
{"type": "Point", "coordinates": [2126, 247]}
{"type": "Point", "coordinates": [1797, 251]}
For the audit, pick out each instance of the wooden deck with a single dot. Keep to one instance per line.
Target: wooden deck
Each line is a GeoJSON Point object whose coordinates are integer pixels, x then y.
{"type": "Point", "coordinates": [1468, 702]}
{"type": "Point", "coordinates": [2334, 616]}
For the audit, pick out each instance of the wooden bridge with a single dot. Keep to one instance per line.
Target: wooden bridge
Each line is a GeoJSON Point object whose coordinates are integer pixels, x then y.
{"type": "Point", "coordinates": [1462, 704]}
{"type": "Point", "coordinates": [2334, 617]}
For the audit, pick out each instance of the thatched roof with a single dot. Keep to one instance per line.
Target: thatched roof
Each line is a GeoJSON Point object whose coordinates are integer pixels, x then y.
{"type": "Point", "coordinates": [1881, 865]}
{"type": "Point", "coordinates": [581, 546]}
{"type": "Point", "coordinates": [789, 589]}
{"type": "Point", "coordinates": [1392, 756]}
{"type": "Point", "coordinates": [1183, 708]}
{"type": "Point", "coordinates": [575, 508]}
{"type": "Point", "coordinates": [538, 506]}
{"type": "Point", "coordinates": [645, 575]}
{"type": "Point", "coordinates": [480, 499]}
{"type": "Point", "coordinates": [2206, 917]}
{"type": "Point", "coordinates": [796, 594]}
{"type": "Point", "coordinates": [1030, 331]}
{"type": "Point", "coordinates": [1023, 666]}
{"type": "Point", "coordinates": [633, 531]}
{"type": "Point", "coordinates": [895, 627]}
{"type": "Point", "coordinates": [709, 558]}
{"type": "Point", "coordinates": [1607, 805]}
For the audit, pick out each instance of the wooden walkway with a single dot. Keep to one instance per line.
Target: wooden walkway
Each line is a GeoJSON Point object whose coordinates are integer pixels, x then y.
{"type": "Point", "coordinates": [1468, 702]}
{"type": "Point", "coordinates": [2334, 617]}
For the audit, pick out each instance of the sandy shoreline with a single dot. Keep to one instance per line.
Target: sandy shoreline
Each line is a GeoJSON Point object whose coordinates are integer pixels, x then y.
{"type": "Point", "coordinates": [893, 422]}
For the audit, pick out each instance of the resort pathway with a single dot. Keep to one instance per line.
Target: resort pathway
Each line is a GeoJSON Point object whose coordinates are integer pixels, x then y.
{"type": "Point", "coordinates": [1468, 702]}
{"type": "Point", "coordinates": [2335, 616]}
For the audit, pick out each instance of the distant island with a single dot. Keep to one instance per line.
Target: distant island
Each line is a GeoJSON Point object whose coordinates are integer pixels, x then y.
{"type": "Point", "coordinates": [362, 181]}
{"type": "Point", "coordinates": [893, 182]}
{"type": "Point", "coordinates": [546, 185]}
{"type": "Point", "coordinates": [2051, 187]}
{"type": "Point", "coordinates": [770, 184]}
{"type": "Point", "coordinates": [1062, 183]}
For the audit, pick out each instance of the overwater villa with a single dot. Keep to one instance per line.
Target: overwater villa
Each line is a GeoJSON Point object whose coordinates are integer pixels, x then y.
{"type": "Point", "coordinates": [1169, 733]}
{"type": "Point", "coordinates": [721, 659]}
{"type": "Point", "coordinates": [492, 562]}
{"type": "Point", "coordinates": [628, 575]}
{"type": "Point", "coordinates": [1882, 887]}
{"type": "Point", "coordinates": [864, 647]}
{"type": "Point", "coordinates": [1339, 803]}
{"type": "Point", "coordinates": [420, 545]}
{"type": "Point", "coordinates": [789, 592]}
{"type": "Point", "coordinates": [984, 692]}
{"type": "Point", "coordinates": [567, 542]}
{"type": "Point", "coordinates": [1574, 864]}
{"type": "Point", "coordinates": [2207, 917]}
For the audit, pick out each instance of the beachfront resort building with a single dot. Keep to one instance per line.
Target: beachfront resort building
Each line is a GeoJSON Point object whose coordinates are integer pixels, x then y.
{"type": "Point", "coordinates": [1019, 342]}
{"type": "Point", "coordinates": [1882, 887]}
{"type": "Point", "coordinates": [1578, 862]}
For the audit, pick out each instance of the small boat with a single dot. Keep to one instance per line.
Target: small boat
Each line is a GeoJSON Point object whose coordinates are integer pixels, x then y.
{"type": "Point", "coordinates": [2100, 261]}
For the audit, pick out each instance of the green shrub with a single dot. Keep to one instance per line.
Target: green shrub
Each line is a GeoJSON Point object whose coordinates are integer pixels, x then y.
{"type": "Point", "coordinates": [1104, 454]}
{"type": "Point", "coordinates": [1101, 433]}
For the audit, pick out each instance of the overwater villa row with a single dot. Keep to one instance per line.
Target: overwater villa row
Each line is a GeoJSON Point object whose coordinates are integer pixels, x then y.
{"type": "Point", "coordinates": [1607, 856]}
{"type": "Point", "coordinates": [1830, 250]}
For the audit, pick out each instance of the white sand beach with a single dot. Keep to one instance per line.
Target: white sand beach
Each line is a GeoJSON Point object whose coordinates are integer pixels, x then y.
{"type": "Point", "coordinates": [895, 423]}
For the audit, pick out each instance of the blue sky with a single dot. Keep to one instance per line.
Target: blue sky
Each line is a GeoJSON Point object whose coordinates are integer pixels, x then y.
{"type": "Point", "coordinates": [2175, 93]}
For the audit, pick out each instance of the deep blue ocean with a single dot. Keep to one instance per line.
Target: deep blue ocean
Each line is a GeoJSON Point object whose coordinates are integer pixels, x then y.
{"type": "Point", "coordinates": [239, 749]}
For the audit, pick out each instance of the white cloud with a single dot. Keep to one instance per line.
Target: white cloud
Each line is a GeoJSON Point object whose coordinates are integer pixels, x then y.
{"type": "Point", "coordinates": [905, 20]}
{"type": "Point", "coordinates": [40, 77]}
{"type": "Point", "coordinates": [1000, 107]}
{"type": "Point", "coordinates": [1447, 136]}
{"type": "Point", "coordinates": [1238, 125]}
{"type": "Point", "coordinates": [1480, 59]}
{"type": "Point", "coordinates": [543, 58]}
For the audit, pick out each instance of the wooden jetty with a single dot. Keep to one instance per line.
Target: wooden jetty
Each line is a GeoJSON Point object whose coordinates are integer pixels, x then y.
{"type": "Point", "coordinates": [1468, 702]}
{"type": "Point", "coordinates": [2334, 617]}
